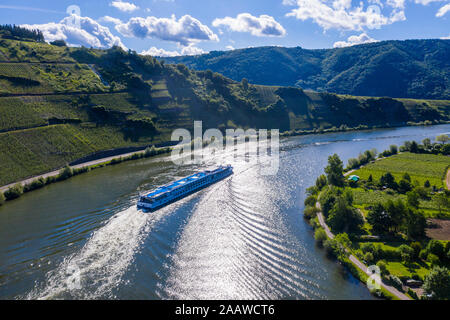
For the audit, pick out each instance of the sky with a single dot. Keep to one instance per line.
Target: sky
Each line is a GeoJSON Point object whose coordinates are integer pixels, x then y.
{"type": "Point", "coordinates": [187, 27]}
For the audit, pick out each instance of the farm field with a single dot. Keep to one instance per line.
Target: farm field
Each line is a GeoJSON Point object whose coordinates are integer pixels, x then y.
{"type": "Point", "coordinates": [420, 167]}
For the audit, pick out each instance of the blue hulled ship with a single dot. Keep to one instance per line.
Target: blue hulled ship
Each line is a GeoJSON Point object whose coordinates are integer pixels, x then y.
{"type": "Point", "coordinates": [164, 195]}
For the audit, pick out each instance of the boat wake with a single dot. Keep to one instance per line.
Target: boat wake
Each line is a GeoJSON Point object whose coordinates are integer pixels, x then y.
{"type": "Point", "coordinates": [95, 270]}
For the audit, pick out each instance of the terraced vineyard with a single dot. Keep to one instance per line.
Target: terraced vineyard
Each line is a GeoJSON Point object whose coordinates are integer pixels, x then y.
{"type": "Point", "coordinates": [60, 104]}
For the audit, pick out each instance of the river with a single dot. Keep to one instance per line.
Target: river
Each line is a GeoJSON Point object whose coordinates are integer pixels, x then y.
{"type": "Point", "coordinates": [242, 238]}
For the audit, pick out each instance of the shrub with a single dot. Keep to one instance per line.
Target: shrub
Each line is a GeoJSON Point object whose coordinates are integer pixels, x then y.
{"type": "Point", "coordinates": [65, 173]}
{"type": "Point", "coordinates": [2, 198]}
{"type": "Point", "coordinates": [383, 267]}
{"type": "Point", "coordinates": [368, 257]}
{"type": "Point", "coordinates": [433, 259]}
{"type": "Point", "coordinates": [423, 254]}
{"type": "Point", "coordinates": [406, 253]}
{"type": "Point", "coordinates": [417, 247]}
{"type": "Point", "coordinates": [436, 247]}
{"type": "Point", "coordinates": [310, 201]}
{"type": "Point", "coordinates": [310, 212]}
{"type": "Point", "coordinates": [14, 192]}
{"type": "Point", "coordinates": [320, 236]}
{"type": "Point", "coordinates": [35, 184]}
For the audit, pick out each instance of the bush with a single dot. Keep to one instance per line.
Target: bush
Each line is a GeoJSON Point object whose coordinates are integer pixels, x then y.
{"type": "Point", "coordinates": [320, 236]}
{"type": "Point", "coordinates": [310, 201]}
{"type": "Point", "coordinates": [14, 192]}
{"type": "Point", "coordinates": [417, 247]}
{"type": "Point", "coordinates": [310, 212]}
{"type": "Point", "coordinates": [368, 258]}
{"type": "Point", "coordinates": [436, 247]}
{"type": "Point", "coordinates": [423, 254]}
{"type": "Point", "coordinates": [433, 259]}
{"type": "Point", "coordinates": [35, 184]}
{"type": "Point", "coordinates": [2, 198]}
{"type": "Point", "coordinates": [65, 173]}
{"type": "Point", "coordinates": [383, 267]}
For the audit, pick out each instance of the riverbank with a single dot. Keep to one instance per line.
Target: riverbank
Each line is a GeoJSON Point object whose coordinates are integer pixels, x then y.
{"type": "Point", "coordinates": [388, 291]}
{"type": "Point", "coordinates": [380, 216]}
{"type": "Point", "coordinates": [16, 189]}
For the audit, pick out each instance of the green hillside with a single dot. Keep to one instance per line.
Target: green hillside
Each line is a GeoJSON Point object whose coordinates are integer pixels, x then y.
{"type": "Point", "coordinates": [402, 69]}
{"type": "Point", "coordinates": [59, 104]}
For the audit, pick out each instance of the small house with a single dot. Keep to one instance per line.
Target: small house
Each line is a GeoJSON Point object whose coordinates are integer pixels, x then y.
{"type": "Point", "coordinates": [354, 178]}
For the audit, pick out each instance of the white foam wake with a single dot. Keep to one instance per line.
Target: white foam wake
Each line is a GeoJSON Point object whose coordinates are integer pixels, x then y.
{"type": "Point", "coordinates": [98, 267]}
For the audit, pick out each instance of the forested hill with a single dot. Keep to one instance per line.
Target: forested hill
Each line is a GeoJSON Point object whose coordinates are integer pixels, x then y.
{"type": "Point", "coordinates": [59, 104]}
{"type": "Point", "coordinates": [402, 69]}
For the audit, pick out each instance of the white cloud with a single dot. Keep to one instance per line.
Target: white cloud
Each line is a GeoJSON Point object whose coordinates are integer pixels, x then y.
{"type": "Point", "coordinates": [354, 40]}
{"type": "Point", "coordinates": [427, 2]}
{"type": "Point", "coordinates": [124, 6]}
{"type": "Point", "coordinates": [185, 31]}
{"type": "Point", "coordinates": [343, 15]}
{"type": "Point", "coordinates": [110, 19]}
{"type": "Point", "coordinates": [443, 10]}
{"type": "Point", "coordinates": [263, 25]}
{"type": "Point", "coordinates": [153, 51]}
{"type": "Point", "coordinates": [229, 47]}
{"type": "Point", "coordinates": [190, 50]}
{"type": "Point", "coordinates": [446, 38]}
{"type": "Point", "coordinates": [90, 33]}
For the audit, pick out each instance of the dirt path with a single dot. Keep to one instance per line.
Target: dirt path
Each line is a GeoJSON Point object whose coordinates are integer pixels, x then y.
{"type": "Point", "coordinates": [56, 172]}
{"type": "Point", "coordinates": [355, 260]}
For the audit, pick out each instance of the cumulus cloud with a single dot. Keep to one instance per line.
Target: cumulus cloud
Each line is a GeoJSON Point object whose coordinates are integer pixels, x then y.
{"type": "Point", "coordinates": [124, 6]}
{"type": "Point", "coordinates": [443, 10]}
{"type": "Point", "coordinates": [110, 19]}
{"type": "Point", "coordinates": [229, 47]}
{"type": "Point", "coordinates": [343, 15]}
{"type": "Point", "coordinates": [89, 34]}
{"type": "Point", "coordinates": [184, 31]}
{"type": "Point", "coordinates": [190, 50]}
{"type": "Point", "coordinates": [446, 38]}
{"type": "Point", "coordinates": [157, 52]}
{"type": "Point", "coordinates": [354, 40]}
{"type": "Point", "coordinates": [263, 25]}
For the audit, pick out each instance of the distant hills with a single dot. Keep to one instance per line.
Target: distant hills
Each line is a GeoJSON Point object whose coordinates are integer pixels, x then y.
{"type": "Point", "coordinates": [404, 69]}
{"type": "Point", "coordinates": [59, 104]}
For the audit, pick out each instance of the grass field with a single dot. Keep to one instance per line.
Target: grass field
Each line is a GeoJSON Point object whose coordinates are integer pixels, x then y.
{"type": "Point", "coordinates": [420, 167]}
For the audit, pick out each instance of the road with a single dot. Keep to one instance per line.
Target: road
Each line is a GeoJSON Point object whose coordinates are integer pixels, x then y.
{"type": "Point", "coordinates": [355, 260]}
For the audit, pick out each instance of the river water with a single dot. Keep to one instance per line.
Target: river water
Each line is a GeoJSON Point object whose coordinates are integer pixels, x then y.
{"type": "Point", "coordinates": [242, 238]}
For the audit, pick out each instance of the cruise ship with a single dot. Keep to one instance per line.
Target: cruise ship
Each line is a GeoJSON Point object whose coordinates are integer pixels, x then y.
{"type": "Point", "coordinates": [164, 195]}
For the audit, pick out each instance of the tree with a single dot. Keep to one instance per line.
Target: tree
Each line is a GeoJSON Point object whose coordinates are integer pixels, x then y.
{"type": "Point", "coordinates": [321, 181]}
{"type": "Point", "coordinates": [413, 199]}
{"type": "Point", "coordinates": [334, 171]}
{"type": "Point", "coordinates": [397, 212]}
{"type": "Point", "coordinates": [407, 177]}
{"type": "Point", "coordinates": [436, 247]}
{"type": "Point", "coordinates": [2, 198]}
{"type": "Point", "coordinates": [404, 186]}
{"type": "Point", "coordinates": [379, 219]}
{"type": "Point", "coordinates": [442, 138]}
{"type": "Point", "coordinates": [427, 184]}
{"type": "Point", "coordinates": [388, 180]}
{"type": "Point", "coordinates": [437, 283]}
{"type": "Point", "coordinates": [406, 252]}
{"type": "Point", "coordinates": [393, 149]}
{"type": "Point", "coordinates": [442, 201]}
{"type": "Point", "coordinates": [415, 224]}
{"type": "Point", "coordinates": [344, 217]}
{"type": "Point", "coordinates": [426, 142]}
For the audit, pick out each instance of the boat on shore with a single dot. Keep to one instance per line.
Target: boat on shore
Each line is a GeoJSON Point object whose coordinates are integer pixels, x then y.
{"type": "Point", "coordinates": [164, 195]}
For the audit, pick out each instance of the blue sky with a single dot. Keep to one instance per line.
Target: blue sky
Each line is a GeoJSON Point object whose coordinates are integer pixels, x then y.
{"type": "Point", "coordinates": [173, 27]}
